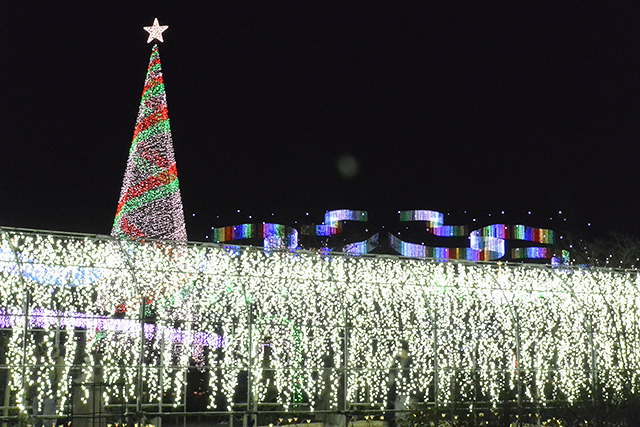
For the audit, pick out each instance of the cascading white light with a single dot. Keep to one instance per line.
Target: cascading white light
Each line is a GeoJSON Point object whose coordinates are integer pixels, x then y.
{"type": "Point", "coordinates": [302, 326]}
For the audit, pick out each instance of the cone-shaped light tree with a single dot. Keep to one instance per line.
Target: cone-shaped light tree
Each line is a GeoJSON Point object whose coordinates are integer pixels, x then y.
{"type": "Point", "coordinates": [150, 205]}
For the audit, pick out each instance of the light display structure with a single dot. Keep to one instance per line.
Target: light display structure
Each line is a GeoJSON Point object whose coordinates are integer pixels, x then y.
{"type": "Point", "coordinates": [150, 204]}
{"type": "Point", "coordinates": [155, 329]}
{"type": "Point", "coordinates": [487, 243]}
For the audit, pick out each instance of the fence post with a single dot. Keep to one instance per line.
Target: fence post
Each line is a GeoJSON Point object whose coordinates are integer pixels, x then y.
{"type": "Point", "coordinates": [435, 356]}
{"type": "Point", "coordinates": [140, 362]}
{"type": "Point", "coordinates": [250, 366]}
{"type": "Point", "coordinates": [518, 362]}
{"type": "Point", "coordinates": [594, 361]}
{"type": "Point", "coordinates": [160, 375]}
{"type": "Point", "coordinates": [345, 358]}
{"type": "Point", "coordinates": [25, 330]}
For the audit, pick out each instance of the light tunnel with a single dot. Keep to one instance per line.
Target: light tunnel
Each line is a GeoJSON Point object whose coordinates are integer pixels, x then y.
{"type": "Point", "coordinates": [170, 327]}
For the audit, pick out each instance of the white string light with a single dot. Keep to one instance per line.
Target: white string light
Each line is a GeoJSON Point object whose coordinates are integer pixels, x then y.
{"type": "Point", "coordinates": [283, 316]}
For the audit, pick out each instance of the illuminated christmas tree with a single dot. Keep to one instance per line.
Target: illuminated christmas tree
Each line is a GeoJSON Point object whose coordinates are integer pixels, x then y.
{"type": "Point", "coordinates": [150, 204]}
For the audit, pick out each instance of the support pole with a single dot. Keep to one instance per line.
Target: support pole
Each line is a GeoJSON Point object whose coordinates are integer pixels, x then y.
{"type": "Point", "coordinates": [132, 271]}
{"type": "Point", "coordinates": [594, 361]}
{"type": "Point", "coordinates": [161, 379]}
{"type": "Point", "coordinates": [345, 360]}
{"type": "Point", "coordinates": [435, 356]}
{"type": "Point", "coordinates": [140, 363]}
{"type": "Point", "coordinates": [518, 362]}
{"type": "Point", "coordinates": [25, 310]}
{"type": "Point", "coordinates": [249, 410]}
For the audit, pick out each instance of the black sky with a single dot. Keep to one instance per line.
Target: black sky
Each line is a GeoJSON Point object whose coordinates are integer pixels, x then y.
{"type": "Point", "coordinates": [477, 108]}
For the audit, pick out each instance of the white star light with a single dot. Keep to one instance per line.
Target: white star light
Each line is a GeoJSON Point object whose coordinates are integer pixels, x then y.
{"type": "Point", "coordinates": [155, 31]}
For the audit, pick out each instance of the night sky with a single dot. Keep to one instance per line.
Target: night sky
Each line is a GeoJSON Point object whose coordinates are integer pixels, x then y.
{"type": "Point", "coordinates": [483, 109]}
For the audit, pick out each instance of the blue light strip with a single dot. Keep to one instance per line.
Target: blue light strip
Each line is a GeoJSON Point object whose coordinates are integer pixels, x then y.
{"type": "Point", "coordinates": [415, 250]}
{"type": "Point", "coordinates": [449, 230]}
{"type": "Point", "coordinates": [333, 217]}
{"type": "Point", "coordinates": [48, 274]}
{"type": "Point", "coordinates": [275, 236]}
{"type": "Point", "coordinates": [531, 253]}
{"type": "Point", "coordinates": [486, 243]}
{"type": "Point", "coordinates": [327, 230]}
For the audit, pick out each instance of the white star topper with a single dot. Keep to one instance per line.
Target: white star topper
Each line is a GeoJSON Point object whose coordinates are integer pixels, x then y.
{"type": "Point", "coordinates": [155, 31]}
